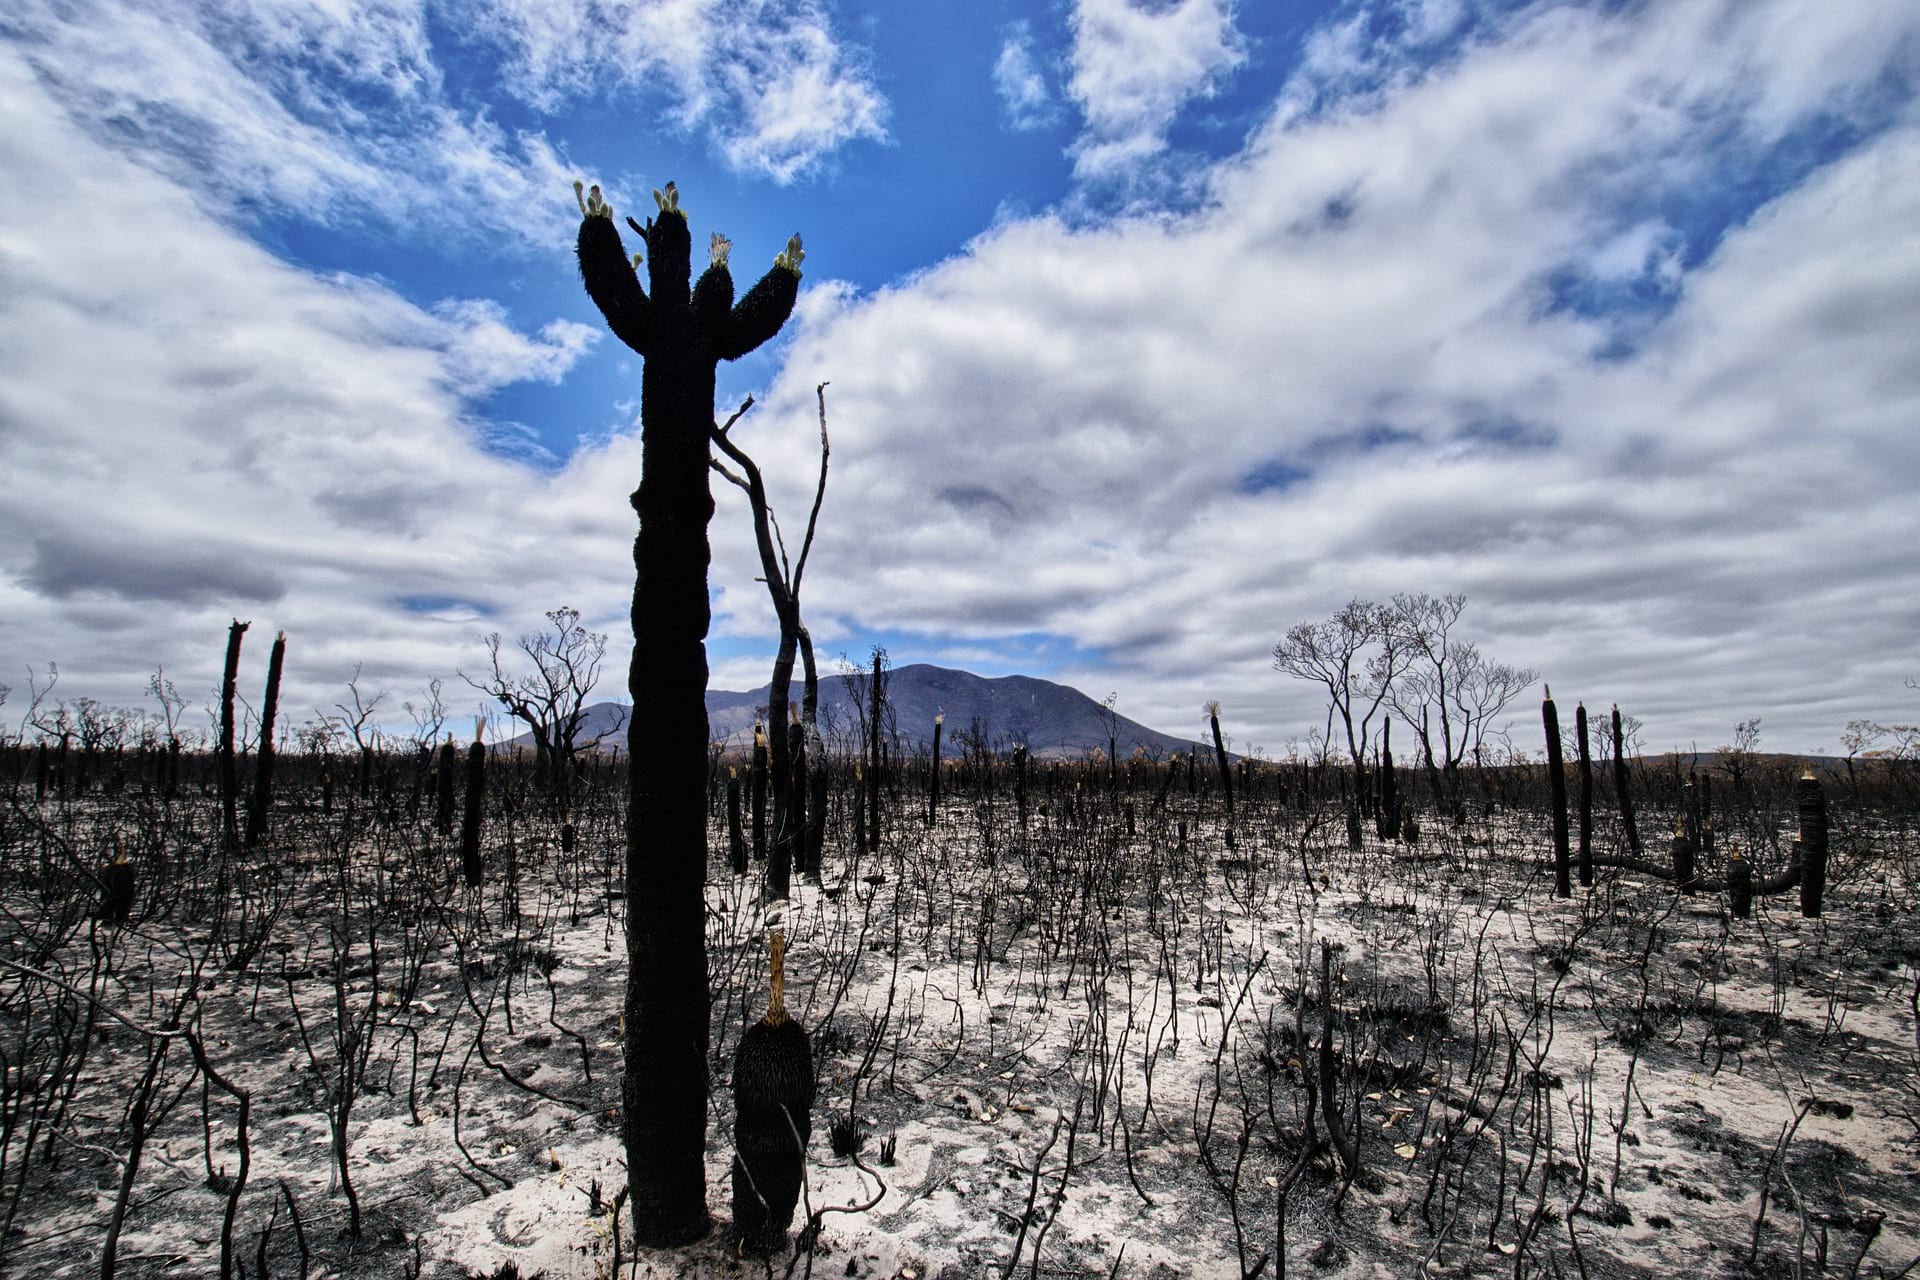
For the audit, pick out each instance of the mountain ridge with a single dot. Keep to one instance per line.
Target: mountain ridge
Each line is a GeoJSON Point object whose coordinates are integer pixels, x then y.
{"type": "Point", "coordinates": [1053, 721]}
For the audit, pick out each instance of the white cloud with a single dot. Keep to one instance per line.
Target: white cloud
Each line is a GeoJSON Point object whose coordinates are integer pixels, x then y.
{"type": "Point", "coordinates": [1648, 247]}
{"type": "Point", "coordinates": [1054, 432]}
{"type": "Point", "coordinates": [1135, 66]}
{"type": "Point", "coordinates": [1161, 439]}
{"type": "Point", "coordinates": [193, 428]}
{"type": "Point", "coordinates": [340, 113]}
{"type": "Point", "coordinates": [1017, 79]}
{"type": "Point", "coordinates": [483, 351]}
{"type": "Point", "coordinates": [767, 80]}
{"type": "Point", "coordinates": [329, 113]}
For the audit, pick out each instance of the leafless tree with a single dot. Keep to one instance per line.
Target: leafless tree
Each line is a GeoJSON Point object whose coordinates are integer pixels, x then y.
{"type": "Point", "coordinates": [1356, 655]}
{"type": "Point", "coordinates": [172, 701]}
{"type": "Point", "coordinates": [51, 724]}
{"type": "Point", "coordinates": [551, 700]}
{"type": "Point", "coordinates": [868, 692]}
{"type": "Point", "coordinates": [1449, 686]}
{"type": "Point", "coordinates": [792, 842]}
{"type": "Point", "coordinates": [1738, 757]}
{"type": "Point", "coordinates": [429, 715]}
{"type": "Point", "coordinates": [357, 722]}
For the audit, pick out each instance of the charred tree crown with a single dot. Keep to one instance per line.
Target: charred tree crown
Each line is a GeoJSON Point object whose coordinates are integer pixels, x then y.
{"type": "Point", "coordinates": [703, 318]}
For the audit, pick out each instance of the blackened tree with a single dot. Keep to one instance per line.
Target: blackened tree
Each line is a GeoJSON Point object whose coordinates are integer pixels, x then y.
{"type": "Point", "coordinates": [1450, 691]}
{"type": "Point", "coordinates": [681, 335]}
{"type": "Point", "coordinates": [795, 838]}
{"type": "Point", "coordinates": [551, 700]}
{"type": "Point", "coordinates": [1356, 655]}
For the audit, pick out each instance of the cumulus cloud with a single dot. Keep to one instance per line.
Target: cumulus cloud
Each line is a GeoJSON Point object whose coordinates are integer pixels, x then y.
{"type": "Point", "coordinates": [193, 428]}
{"type": "Point", "coordinates": [1385, 352]}
{"type": "Point", "coordinates": [1065, 430]}
{"type": "Point", "coordinates": [1024, 97]}
{"type": "Point", "coordinates": [768, 80]}
{"type": "Point", "coordinates": [338, 114]}
{"type": "Point", "coordinates": [1134, 66]}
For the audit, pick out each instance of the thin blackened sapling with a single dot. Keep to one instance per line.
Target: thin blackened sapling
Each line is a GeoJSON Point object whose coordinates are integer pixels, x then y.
{"type": "Point", "coordinates": [793, 840]}
{"type": "Point", "coordinates": [681, 335]}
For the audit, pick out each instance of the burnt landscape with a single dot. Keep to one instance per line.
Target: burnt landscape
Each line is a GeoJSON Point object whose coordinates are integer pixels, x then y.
{"type": "Point", "coordinates": [1078, 1018]}
{"type": "Point", "coordinates": [1013, 477]}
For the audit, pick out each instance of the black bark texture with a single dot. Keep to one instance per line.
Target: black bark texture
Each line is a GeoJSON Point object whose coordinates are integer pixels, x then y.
{"type": "Point", "coordinates": [773, 1119]}
{"type": "Point", "coordinates": [680, 335]}
{"type": "Point", "coordinates": [1557, 783]}
{"type": "Point", "coordinates": [470, 865]}
{"type": "Point", "coordinates": [229, 778]}
{"type": "Point", "coordinates": [261, 807]}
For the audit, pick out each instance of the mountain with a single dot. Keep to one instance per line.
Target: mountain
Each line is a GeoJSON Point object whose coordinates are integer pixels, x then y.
{"type": "Point", "coordinates": [1052, 720]}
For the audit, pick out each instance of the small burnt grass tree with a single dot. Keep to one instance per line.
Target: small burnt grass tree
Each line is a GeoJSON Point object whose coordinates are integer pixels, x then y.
{"type": "Point", "coordinates": [773, 1088]}
{"type": "Point", "coordinates": [259, 812]}
{"type": "Point", "coordinates": [681, 335]}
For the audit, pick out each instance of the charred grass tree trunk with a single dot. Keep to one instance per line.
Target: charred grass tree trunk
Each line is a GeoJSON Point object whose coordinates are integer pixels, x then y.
{"type": "Point", "coordinates": [813, 831]}
{"type": "Point", "coordinates": [680, 335]}
{"type": "Point", "coordinates": [1812, 848]}
{"type": "Point", "coordinates": [443, 788]}
{"type": "Point", "coordinates": [877, 696]}
{"type": "Point", "coordinates": [1020, 786]}
{"type": "Point", "coordinates": [261, 807]}
{"type": "Point", "coordinates": [470, 864]}
{"type": "Point", "coordinates": [780, 769]}
{"type": "Point", "coordinates": [757, 779]}
{"type": "Point", "coordinates": [773, 1086]}
{"type": "Point", "coordinates": [736, 835]}
{"type": "Point", "coordinates": [1226, 770]}
{"type": "Point", "coordinates": [1686, 838]}
{"type": "Point", "coordinates": [795, 855]}
{"type": "Point", "coordinates": [229, 777]}
{"type": "Point", "coordinates": [1586, 796]}
{"type": "Point", "coordinates": [933, 785]}
{"type": "Point", "coordinates": [1388, 823]}
{"type": "Point", "coordinates": [1621, 791]}
{"type": "Point", "coordinates": [1557, 786]}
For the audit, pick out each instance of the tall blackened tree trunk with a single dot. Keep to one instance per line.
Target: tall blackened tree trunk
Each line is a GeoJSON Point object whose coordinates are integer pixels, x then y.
{"type": "Point", "coordinates": [1586, 796]}
{"type": "Point", "coordinates": [1226, 770]}
{"type": "Point", "coordinates": [933, 784]}
{"type": "Point", "coordinates": [813, 834]}
{"type": "Point", "coordinates": [258, 811]}
{"type": "Point", "coordinates": [470, 865]}
{"type": "Point", "coordinates": [680, 335]}
{"type": "Point", "coordinates": [1020, 786]}
{"type": "Point", "coordinates": [780, 767]}
{"type": "Point", "coordinates": [736, 837]}
{"type": "Point", "coordinates": [1557, 786]}
{"type": "Point", "coordinates": [797, 792]}
{"type": "Point", "coordinates": [877, 695]}
{"type": "Point", "coordinates": [757, 774]}
{"type": "Point", "coordinates": [229, 779]}
{"type": "Point", "coordinates": [1620, 786]}
{"type": "Point", "coordinates": [1388, 820]}
{"type": "Point", "coordinates": [1812, 845]}
{"type": "Point", "coordinates": [443, 789]}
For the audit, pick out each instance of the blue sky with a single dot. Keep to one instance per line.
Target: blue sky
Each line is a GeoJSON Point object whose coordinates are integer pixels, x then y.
{"type": "Point", "coordinates": [1152, 328]}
